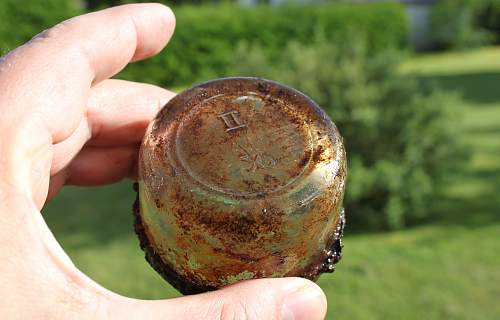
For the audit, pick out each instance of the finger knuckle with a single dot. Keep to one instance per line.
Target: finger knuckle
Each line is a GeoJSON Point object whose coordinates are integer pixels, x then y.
{"type": "Point", "coordinates": [234, 311]}
{"type": "Point", "coordinates": [55, 37]}
{"type": "Point", "coordinates": [241, 310]}
{"type": "Point", "coordinates": [53, 33]}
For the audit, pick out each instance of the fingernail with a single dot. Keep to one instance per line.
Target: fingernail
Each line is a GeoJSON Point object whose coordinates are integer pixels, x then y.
{"type": "Point", "coordinates": [307, 303]}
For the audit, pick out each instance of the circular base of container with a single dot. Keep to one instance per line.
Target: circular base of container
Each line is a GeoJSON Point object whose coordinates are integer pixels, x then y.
{"type": "Point", "coordinates": [240, 178]}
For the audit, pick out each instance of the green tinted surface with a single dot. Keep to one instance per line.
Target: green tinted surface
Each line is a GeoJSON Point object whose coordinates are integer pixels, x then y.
{"type": "Point", "coordinates": [446, 269]}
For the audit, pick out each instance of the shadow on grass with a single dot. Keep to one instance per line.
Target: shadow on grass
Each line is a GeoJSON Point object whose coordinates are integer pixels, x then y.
{"type": "Point", "coordinates": [486, 130]}
{"type": "Point", "coordinates": [480, 208]}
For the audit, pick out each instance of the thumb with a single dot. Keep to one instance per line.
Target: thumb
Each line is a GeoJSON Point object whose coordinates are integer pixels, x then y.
{"type": "Point", "coordinates": [268, 299]}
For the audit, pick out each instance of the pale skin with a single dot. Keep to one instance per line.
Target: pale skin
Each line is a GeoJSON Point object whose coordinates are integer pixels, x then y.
{"type": "Point", "coordinates": [63, 121]}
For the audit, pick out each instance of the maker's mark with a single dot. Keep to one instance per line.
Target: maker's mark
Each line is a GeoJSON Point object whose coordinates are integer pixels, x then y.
{"type": "Point", "coordinates": [257, 160]}
{"type": "Point", "coordinates": [232, 120]}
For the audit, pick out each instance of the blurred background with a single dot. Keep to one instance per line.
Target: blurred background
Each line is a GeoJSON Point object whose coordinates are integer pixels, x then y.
{"type": "Point", "coordinates": [414, 87]}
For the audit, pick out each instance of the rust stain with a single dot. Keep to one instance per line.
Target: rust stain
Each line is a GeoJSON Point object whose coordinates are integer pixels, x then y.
{"type": "Point", "coordinates": [317, 154]}
{"type": "Point", "coordinates": [304, 159]}
{"type": "Point", "coordinates": [227, 193]}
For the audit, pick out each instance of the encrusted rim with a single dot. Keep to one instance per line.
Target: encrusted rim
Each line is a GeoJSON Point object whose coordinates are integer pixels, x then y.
{"type": "Point", "coordinates": [331, 255]}
{"type": "Point", "coordinates": [182, 284]}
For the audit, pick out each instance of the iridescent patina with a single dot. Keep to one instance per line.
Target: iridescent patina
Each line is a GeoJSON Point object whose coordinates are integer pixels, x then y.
{"type": "Point", "coordinates": [240, 178]}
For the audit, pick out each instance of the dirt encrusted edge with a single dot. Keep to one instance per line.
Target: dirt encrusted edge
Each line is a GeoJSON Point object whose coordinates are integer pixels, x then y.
{"type": "Point", "coordinates": [179, 282]}
{"type": "Point", "coordinates": [187, 287]}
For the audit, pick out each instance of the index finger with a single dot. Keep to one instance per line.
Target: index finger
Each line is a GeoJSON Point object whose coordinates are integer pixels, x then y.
{"type": "Point", "coordinates": [54, 71]}
{"type": "Point", "coordinates": [108, 39]}
{"type": "Point", "coordinates": [45, 83]}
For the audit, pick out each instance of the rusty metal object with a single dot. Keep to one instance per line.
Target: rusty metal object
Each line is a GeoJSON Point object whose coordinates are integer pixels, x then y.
{"type": "Point", "coordinates": [240, 178]}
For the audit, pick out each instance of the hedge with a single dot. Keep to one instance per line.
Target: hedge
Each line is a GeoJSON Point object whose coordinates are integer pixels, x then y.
{"type": "Point", "coordinates": [458, 24]}
{"type": "Point", "coordinates": [488, 18]}
{"type": "Point", "coordinates": [206, 36]}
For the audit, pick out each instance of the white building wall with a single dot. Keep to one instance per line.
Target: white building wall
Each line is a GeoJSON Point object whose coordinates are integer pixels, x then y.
{"type": "Point", "coordinates": [420, 26]}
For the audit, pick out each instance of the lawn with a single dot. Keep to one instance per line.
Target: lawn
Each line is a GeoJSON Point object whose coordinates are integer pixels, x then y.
{"type": "Point", "coordinates": [448, 268]}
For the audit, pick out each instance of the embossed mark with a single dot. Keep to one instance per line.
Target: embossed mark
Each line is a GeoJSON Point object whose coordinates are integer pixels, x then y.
{"type": "Point", "coordinates": [258, 160]}
{"type": "Point", "coordinates": [232, 120]}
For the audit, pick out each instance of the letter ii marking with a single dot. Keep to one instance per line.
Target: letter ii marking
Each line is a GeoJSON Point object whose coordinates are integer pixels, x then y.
{"type": "Point", "coordinates": [231, 120]}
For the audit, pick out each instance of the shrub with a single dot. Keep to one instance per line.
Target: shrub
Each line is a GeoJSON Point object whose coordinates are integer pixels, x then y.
{"type": "Point", "coordinates": [206, 36]}
{"type": "Point", "coordinates": [400, 137]}
{"type": "Point", "coordinates": [460, 24]}
{"type": "Point", "coordinates": [488, 17]}
{"type": "Point", "coordinates": [453, 25]}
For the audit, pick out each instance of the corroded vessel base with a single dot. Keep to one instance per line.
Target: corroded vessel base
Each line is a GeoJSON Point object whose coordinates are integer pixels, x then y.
{"type": "Point", "coordinates": [331, 256]}
{"type": "Point", "coordinates": [184, 285]}
{"type": "Point", "coordinates": [240, 178]}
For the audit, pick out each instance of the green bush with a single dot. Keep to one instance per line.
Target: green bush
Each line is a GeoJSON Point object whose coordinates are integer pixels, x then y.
{"type": "Point", "coordinates": [21, 20]}
{"type": "Point", "coordinates": [460, 24]}
{"type": "Point", "coordinates": [488, 18]}
{"type": "Point", "coordinates": [453, 25]}
{"type": "Point", "coordinates": [401, 138]}
{"type": "Point", "coordinates": [206, 36]}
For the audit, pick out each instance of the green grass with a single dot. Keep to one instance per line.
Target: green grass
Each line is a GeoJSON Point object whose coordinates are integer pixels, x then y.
{"type": "Point", "coordinates": [459, 62]}
{"type": "Point", "coordinates": [448, 268]}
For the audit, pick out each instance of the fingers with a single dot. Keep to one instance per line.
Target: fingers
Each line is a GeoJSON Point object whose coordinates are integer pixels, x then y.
{"type": "Point", "coordinates": [45, 83]}
{"type": "Point", "coordinates": [272, 299]}
{"type": "Point", "coordinates": [120, 111]}
{"type": "Point", "coordinates": [53, 73]}
{"type": "Point", "coordinates": [64, 152]}
{"type": "Point", "coordinates": [107, 40]}
{"type": "Point", "coordinates": [118, 114]}
{"type": "Point", "coordinates": [96, 166]}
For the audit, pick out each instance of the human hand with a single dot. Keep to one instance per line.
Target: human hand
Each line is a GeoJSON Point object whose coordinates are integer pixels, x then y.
{"type": "Point", "coordinates": [62, 121]}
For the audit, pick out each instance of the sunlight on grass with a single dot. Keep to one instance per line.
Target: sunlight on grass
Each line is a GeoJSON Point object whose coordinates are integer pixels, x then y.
{"type": "Point", "coordinates": [467, 61]}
